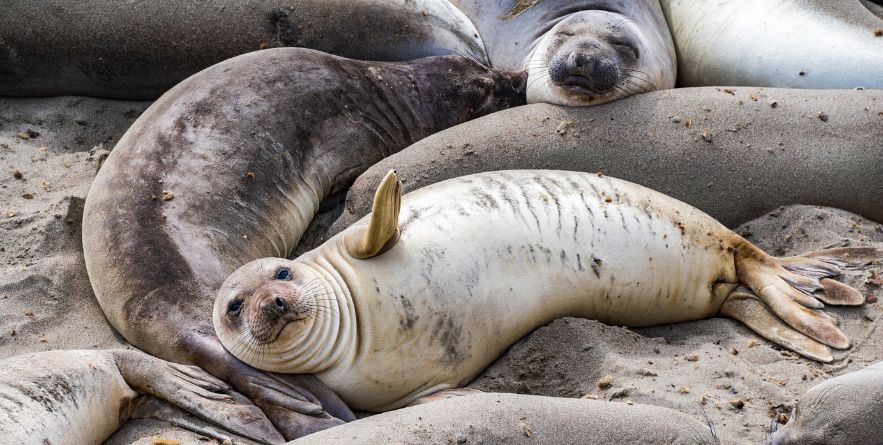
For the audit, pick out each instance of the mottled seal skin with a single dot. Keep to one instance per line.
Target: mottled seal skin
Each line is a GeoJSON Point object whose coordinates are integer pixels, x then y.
{"type": "Point", "coordinates": [522, 419]}
{"type": "Point", "coordinates": [482, 260]}
{"type": "Point", "coordinates": [231, 165]}
{"type": "Point", "coordinates": [578, 53]}
{"type": "Point", "coordinates": [82, 397]}
{"type": "Point", "coordinates": [138, 50]}
{"type": "Point", "coordinates": [843, 410]}
{"type": "Point", "coordinates": [766, 148]}
{"type": "Point", "coordinates": [788, 43]}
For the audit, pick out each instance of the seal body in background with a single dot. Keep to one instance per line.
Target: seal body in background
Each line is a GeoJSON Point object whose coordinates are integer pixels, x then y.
{"type": "Point", "coordinates": [578, 53]}
{"type": "Point", "coordinates": [734, 153]}
{"type": "Point", "coordinates": [843, 410]}
{"type": "Point", "coordinates": [138, 50]}
{"type": "Point", "coordinates": [82, 397]}
{"type": "Point", "coordinates": [230, 166]}
{"type": "Point", "coordinates": [789, 44]}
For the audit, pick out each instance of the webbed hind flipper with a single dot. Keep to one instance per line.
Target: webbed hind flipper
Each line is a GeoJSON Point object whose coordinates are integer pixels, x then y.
{"type": "Point", "coordinates": [793, 287]}
{"type": "Point", "coordinates": [382, 231]}
{"type": "Point", "coordinates": [744, 306]}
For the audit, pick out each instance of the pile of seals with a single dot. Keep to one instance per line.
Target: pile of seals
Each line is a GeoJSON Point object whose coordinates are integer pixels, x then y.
{"type": "Point", "coordinates": [190, 224]}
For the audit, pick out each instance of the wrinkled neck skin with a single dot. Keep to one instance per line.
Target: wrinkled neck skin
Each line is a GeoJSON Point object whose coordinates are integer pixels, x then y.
{"type": "Point", "coordinates": [322, 340]}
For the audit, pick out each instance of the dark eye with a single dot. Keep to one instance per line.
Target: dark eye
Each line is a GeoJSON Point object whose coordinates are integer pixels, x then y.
{"type": "Point", "coordinates": [623, 46]}
{"type": "Point", "coordinates": [234, 307]}
{"type": "Point", "coordinates": [283, 274]}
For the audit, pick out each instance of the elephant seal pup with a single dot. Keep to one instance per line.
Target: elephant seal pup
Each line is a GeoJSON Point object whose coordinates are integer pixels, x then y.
{"type": "Point", "coordinates": [229, 166]}
{"type": "Point", "coordinates": [839, 411]}
{"type": "Point", "coordinates": [138, 50]}
{"type": "Point", "coordinates": [385, 313]}
{"type": "Point", "coordinates": [578, 52]}
{"type": "Point", "coordinates": [521, 419]}
{"type": "Point", "coordinates": [82, 397]}
{"type": "Point", "coordinates": [735, 154]}
{"type": "Point", "coordinates": [789, 43]}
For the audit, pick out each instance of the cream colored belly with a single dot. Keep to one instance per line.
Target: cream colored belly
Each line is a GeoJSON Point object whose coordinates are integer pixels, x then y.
{"type": "Point", "coordinates": [486, 259]}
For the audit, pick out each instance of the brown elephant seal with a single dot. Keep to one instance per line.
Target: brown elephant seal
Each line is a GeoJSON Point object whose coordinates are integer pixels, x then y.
{"type": "Point", "coordinates": [397, 308]}
{"type": "Point", "coordinates": [840, 411]}
{"type": "Point", "coordinates": [138, 50]}
{"type": "Point", "coordinates": [521, 419]}
{"type": "Point", "coordinates": [578, 53]}
{"type": "Point", "coordinates": [230, 166]}
{"type": "Point", "coordinates": [786, 43]}
{"type": "Point", "coordinates": [82, 397]}
{"type": "Point", "coordinates": [733, 153]}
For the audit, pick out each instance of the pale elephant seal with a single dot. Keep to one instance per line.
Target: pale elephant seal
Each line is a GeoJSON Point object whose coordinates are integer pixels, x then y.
{"type": "Point", "coordinates": [386, 314]}
{"type": "Point", "coordinates": [734, 153]}
{"type": "Point", "coordinates": [82, 397]}
{"type": "Point", "coordinates": [521, 419]}
{"type": "Point", "coordinates": [140, 49]}
{"type": "Point", "coordinates": [230, 166]}
{"type": "Point", "coordinates": [578, 52]}
{"type": "Point", "coordinates": [785, 43]}
{"type": "Point", "coordinates": [843, 410]}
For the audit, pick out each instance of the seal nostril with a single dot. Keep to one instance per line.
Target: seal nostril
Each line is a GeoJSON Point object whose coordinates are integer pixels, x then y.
{"type": "Point", "coordinates": [280, 303]}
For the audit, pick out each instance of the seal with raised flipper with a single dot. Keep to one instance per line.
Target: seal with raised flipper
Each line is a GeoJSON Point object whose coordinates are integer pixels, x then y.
{"type": "Point", "coordinates": [230, 166]}
{"type": "Point", "coordinates": [788, 43]}
{"type": "Point", "coordinates": [140, 49]}
{"type": "Point", "coordinates": [429, 289]}
{"type": "Point", "coordinates": [578, 52]}
{"type": "Point", "coordinates": [82, 397]}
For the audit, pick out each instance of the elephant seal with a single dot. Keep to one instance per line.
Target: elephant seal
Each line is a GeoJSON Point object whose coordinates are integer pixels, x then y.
{"type": "Point", "coordinates": [521, 419]}
{"type": "Point", "coordinates": [839, 411]}
{"type": "Point", "coordinates": [789, 43]}
{"type": "Point", "coordinates": [82, 397]}
{"type": "Point", "coordinates": [393, 309]}
{"type": "Point", "coordinates": [735, 154]}
{"type": "Point", "coordinates": [578, 52]}
{"type": "Point", "coordinates": [138, 50]}
{"type": "Point", "coordinates": [231, 165]}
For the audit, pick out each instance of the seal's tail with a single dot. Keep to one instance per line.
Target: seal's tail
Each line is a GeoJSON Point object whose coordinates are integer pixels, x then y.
{"type": "Point", "coordinates": [782, 298]}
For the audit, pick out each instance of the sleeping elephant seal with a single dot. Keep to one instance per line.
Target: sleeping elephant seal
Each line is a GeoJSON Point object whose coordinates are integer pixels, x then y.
{"type": "Point", "coordinates": [785, 43]}
{"type": "Point", "coordinates": [430, 288]}
{"type": "Point", "coordinates": [578, 52]}
{"type": "Point", "coordinates": [140, 49]}
{"type": "Point", "coordinates": [82, 397]}
{"type": "Point", "coordinates": [521, 419]}
{"type": "Point", "coordinates": [733, 153]}
{"type": "Point", "coordinates": [840, 411]}
{"type": "Point", "coordinates": [231, 165]}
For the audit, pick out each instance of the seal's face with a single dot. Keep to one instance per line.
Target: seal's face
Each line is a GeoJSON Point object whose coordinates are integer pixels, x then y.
{"type": "Point", "coordinates": [265, 305]}
{"type": "Point", "coordinates": [590, 58]}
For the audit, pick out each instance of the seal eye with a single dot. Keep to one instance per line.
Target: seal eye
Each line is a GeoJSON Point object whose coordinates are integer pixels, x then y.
{"type": "Point", "coordinates": [234, 307]}
{"type": "Point", "coordinates": [283, 274]}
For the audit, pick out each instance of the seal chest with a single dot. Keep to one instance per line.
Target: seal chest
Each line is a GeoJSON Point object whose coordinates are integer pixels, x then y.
{"type": "Point", "coordinates": [396, 312]}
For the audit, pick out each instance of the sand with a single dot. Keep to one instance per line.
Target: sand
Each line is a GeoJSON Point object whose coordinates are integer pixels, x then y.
{"type": "Point", "coordinates": [48, 303]}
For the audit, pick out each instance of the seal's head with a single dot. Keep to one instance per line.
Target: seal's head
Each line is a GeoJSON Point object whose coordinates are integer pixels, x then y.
{"type": "Point", "coordinates": [593, 57]}
{"type": "Point", "coordinates": [274, 314]}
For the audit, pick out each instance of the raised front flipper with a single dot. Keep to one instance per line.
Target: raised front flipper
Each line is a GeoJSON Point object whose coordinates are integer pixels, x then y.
{"type": "Point", "coordinates": [382, 231]}
{"type": "Point", "coordinates": [192, 389]}
{"type": "Point", "coordinates": [793, 289]}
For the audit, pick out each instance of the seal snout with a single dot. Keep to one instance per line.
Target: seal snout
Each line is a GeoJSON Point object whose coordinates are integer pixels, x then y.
{"type": "Point", "coordinates": [586, 67]}
{"type": "Point", "coordinates": [275, 305]}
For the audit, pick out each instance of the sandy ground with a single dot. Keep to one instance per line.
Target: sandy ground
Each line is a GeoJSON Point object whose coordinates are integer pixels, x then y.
{"type": "Point", "coordinates": [715, 368]}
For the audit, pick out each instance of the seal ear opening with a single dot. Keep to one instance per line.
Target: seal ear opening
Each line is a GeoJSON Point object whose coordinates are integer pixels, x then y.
{"type": "Point", "coordinates": [383, 229]}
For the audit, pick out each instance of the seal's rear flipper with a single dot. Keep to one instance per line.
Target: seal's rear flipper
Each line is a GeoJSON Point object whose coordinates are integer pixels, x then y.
{"type": "Point", "coordinates": [747, 308]}
{"type": "Point", "coordinates": [195, 391]}
{"type": "Point", "coordinates": [789, 287]}
{"type": "Point", "coordinates": [382, 231]}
